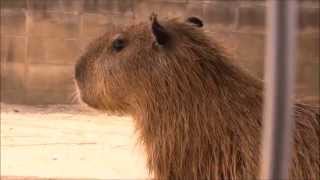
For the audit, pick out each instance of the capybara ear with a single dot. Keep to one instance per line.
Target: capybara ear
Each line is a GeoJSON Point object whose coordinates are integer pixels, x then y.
{"type": "Point", "coordinates": [160, 33]}
{"type": "Point", "coordinates": [195, 21]}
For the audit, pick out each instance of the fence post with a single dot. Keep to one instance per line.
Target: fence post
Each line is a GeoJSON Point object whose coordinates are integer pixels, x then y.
{"type": "Point", "coordinates": [279, 77]}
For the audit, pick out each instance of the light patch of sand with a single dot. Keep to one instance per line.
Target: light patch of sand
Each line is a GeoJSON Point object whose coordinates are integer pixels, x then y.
{"type": "Point", "coordinates": [68, 142]}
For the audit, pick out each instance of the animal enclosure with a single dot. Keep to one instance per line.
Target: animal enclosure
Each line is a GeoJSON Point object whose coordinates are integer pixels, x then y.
{"type": "Point", "coordinates": [42, 40]}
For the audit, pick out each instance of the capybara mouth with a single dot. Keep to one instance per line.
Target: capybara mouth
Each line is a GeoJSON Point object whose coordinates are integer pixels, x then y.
{"type": "Point", "coordinates": [84, 98]}
{"type": "Point", "coordinates": [90, 102]}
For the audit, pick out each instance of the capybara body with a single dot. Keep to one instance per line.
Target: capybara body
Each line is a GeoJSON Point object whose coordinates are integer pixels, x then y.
{"type": "Point", "coordinates": [197, 115]}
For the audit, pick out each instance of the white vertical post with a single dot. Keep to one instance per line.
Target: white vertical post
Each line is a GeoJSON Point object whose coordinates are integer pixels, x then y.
{"type": "Point", "coordinates": [279, 77]}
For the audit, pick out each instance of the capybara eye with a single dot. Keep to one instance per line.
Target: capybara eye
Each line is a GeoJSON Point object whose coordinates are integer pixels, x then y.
{"type": "Point", "coordinates": [118, 45]}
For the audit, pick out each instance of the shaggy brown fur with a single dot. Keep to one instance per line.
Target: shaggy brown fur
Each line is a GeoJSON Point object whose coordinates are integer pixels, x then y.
{"type": "Point", "coordinates": [197, 114]}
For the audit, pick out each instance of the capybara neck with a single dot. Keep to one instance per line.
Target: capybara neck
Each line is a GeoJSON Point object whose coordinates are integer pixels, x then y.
{"type": "Point", "coordinates": [201, 118]}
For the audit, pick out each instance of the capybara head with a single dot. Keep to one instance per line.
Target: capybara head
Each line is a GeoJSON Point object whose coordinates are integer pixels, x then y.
{"type": "Point", "coordinates": [119, 67]}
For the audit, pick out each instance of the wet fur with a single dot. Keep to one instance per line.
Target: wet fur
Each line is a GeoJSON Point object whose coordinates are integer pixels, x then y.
{"type": "Point", "coordinates": [197, 115]}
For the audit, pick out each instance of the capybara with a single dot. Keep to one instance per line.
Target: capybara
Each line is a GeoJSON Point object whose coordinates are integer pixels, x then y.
{"type": "Point", "coordinates": [197, 114]}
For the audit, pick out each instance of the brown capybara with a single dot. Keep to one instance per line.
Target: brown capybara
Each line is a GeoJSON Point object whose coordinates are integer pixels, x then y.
{"type": "Point", "coordinates": [197, 115]}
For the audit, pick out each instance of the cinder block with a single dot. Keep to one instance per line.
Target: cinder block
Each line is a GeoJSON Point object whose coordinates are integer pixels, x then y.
{"type": "Point", "coordinates": [13, 96]}
{"type": "Point", "coordinates": [13, 76]}
{"type": "Point", "coordinates": [252, 17]}
{"type": "Point", "coordinates": [109, 7]}
{"type": "Point", "coordinates": [92, 6]}
{"type": "Point", "coordinates": [122, 20]}
{"type": "Point", "coordinates": [45, 77]}
{"type": "Point", "coordinates": [53, 24]}
{"type": "Point", "coordinates": [195, 8]}
{"type": "Point", "coordinates": [2, 68]}
{"type": "Point", "coordinates": [246, 49]}
{"type": "Point", "coordinates": [44, 5]}
{"type": "Point", "coordinates": [308, 64]}
{"type": "Point", "coordinates": [13, 49]}
{"type": "Point", "coordinates": [308, 77]}
{"type": "Point", "coordinates": [76, 6]}
{"type": "Point", "coordinates": [220, 13]}
{"type": "Point", "coordinates": [40, 97]}
{"type": "Point", "coordinates": [311, 100]}
{"type": "Point", "coordinates": [144, 8]}
{"type": "Point", "coordinates": [37, 50]}
{"type": "Point", "coordinates": [308, 48]}
{"type": "Point", "coordinates": [62, 51]}
{"type": "Point", "coordinates": [13, 4]}
{"type": "Point", "coordinates": [94, 25]}
{"type": "Point", "coordinates": [125, 6]}
{"type": "Point", "coordinates": [172, 9]}
{"type": "Point", "coordinates": [309, 18]}
{"type": "Point", "coordinates": [13, 22]}
{"type": "Point", "coordinates": [53, 50]}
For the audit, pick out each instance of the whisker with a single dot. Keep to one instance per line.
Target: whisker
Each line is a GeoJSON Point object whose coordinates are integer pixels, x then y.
{"type": "Point", "coordinates": [74, 96]}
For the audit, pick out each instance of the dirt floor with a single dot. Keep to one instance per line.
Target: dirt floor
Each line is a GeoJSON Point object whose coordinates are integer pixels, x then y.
{"type": "Point", "coordinates": [68, 142]}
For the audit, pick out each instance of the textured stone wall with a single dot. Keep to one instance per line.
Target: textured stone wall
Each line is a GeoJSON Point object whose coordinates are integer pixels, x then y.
{"type": "Point", "coordinates": [41, 39]}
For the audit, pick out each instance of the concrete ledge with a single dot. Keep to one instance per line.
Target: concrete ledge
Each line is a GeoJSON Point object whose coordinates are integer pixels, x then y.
{"type": "Point", "coordinates": [68, 142]}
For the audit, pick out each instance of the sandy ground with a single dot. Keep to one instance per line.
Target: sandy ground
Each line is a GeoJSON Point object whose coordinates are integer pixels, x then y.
{"type": "Point", "coordinates": [68, 142]}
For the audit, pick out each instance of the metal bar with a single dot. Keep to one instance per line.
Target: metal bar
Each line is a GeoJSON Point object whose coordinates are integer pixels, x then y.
{"type": "Point", "coordinates": [279, 77]}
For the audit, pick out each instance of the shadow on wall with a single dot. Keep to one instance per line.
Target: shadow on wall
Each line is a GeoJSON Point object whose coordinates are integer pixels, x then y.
{"type": "Point", "coordinates": [41, 40]}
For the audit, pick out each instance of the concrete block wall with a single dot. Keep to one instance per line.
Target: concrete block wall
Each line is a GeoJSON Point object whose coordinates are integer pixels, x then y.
{"type": "Point", "coordinates": [41, 39]}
